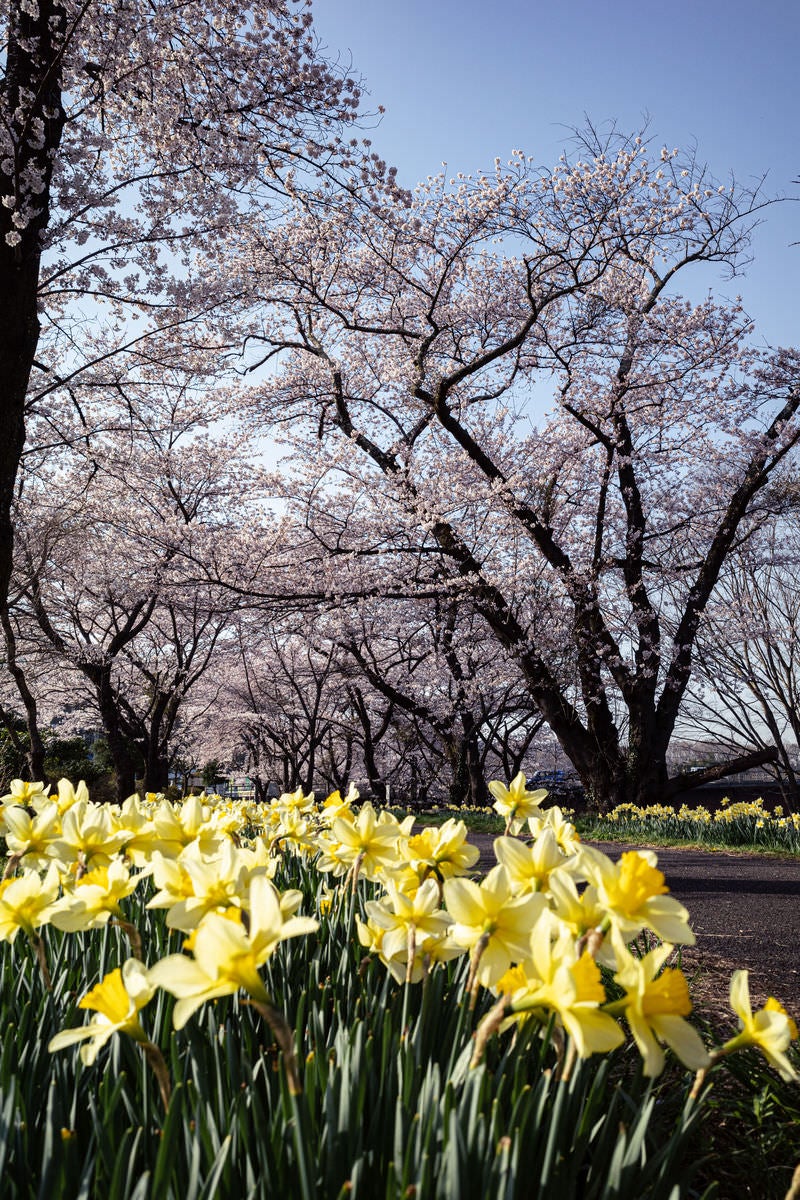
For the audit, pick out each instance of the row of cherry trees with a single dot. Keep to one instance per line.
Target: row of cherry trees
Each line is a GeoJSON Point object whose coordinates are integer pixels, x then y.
{"type": "Point", "coordinates": [526, 480]}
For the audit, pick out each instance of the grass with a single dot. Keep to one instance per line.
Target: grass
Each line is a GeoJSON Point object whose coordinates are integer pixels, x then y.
{"type": "Point", "coordinates": [743, 828]}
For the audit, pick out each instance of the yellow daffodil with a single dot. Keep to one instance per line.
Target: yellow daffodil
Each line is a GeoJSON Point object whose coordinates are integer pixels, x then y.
{"type": "Point", "coordinates": [365, 844]}
{"type": "Point", "coordinates": [95, 898]}
{"type": "Point", "coordinates": [555, 979]}
{"type": "Point", "coordinates": [565, 832]}
{"type": "Point", "coordinates": [336, 805]}
{"type": "Point", "coordinates": [491, 922]}
{"type": "Point", "coordinates": [217, 883]}
{"type": "Point", "coordinates": [443, 852]}
{"type": "Point", "coordinates": [515, 802]}
{"type": "Point", "coordinates": [67, 795]}
{"type": "Point", "coordinates": [24, 793]}
{"type": "Point", "coordinates": [297, 801]}
{"type": "Point", "coordinates": [655, 1004]}
{"type": "Point", "coordinates": [30, 837]}
{"type": "Point", "coordinates": [410, 925]}
{"type": "Point", "coordinates": [227, 956]}
{"type": "Point", "coordinates": [771, 1029]}
{"type": "Point", "coordinates": [529, 866]}
{"type": "Point", "coordinates": [176, 826]}
{"type": "Point", "coordinates": [580, 911]}
{"type": "Point", "coordinates": [26, 903]}
{"type": "Point", "coordinates": [117, 1000]}
{"type": "Point", "coordinates": [90, 835]}
{"type": "Point", "coordinates": [634, 894]}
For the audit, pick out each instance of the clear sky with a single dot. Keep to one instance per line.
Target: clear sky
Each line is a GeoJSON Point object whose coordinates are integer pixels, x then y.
{"type": "Point", "coordinates": [465, 80]}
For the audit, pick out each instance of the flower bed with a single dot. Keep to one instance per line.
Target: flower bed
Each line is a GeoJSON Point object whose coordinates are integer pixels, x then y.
{"type": "Point", "coordinates": [307, 999]}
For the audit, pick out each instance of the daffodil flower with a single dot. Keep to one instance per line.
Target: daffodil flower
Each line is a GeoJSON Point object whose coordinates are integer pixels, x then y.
{"type": "Point", "coordinates": [491, 922]}
{"type": "Point", "coordinates": [90, 835]}
{"type": "Point", "coordinates": [529, 866]}
{"type": "Point", "coordinates": [411, 928]}
{"type": "Point", "coordinates": [655, 1004]}
{"type": "Point", "coordinates": [30, 837]}
{"type": "Point", "coordinates": [27, 902]}
{"type": "Point", "coordinates": [227, 956]}
{"type": "Point", "coordinates": [96, 899]}
{"type": "Point", "coordinates": [556, 979]}
{"type": "Point", "coordinates": [771, 1029]}
{"type": "Point", "coordinates": [24, 793]}
{"type": "Point", "coordinates": [634, 894]}
{"type": "Point", "coordinates": [117, 1000]}
{"type": "Point", "coordinates": [566, 834]}
{"type": "Point", "coordinates": [443, 852]}
{"type": "Point", "coordinates": [365, 845]}
{"type": "Point", "coordinates": [515, 802]}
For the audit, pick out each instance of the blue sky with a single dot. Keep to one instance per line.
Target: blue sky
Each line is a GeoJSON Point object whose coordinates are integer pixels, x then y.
{"type": "Point", "coordinates": [465, 80]}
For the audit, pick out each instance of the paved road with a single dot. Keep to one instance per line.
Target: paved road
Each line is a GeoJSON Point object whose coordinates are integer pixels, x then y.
{"type": "Point", "coordinates": [745, 912]}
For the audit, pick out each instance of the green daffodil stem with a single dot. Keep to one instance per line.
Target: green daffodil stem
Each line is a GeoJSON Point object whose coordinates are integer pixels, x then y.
{"type": "Point", "coordinates": [740, 1042]}
{"type": "Point", "coordinates": [41, 958]}
{"type": "Point", "coordinates": [285, 1039]}
{"type": "Point", "coordinates": [155, 1060]}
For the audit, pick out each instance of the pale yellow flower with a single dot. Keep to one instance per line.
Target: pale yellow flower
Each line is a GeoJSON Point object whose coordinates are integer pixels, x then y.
{"type": "Point", "coordinates": [95, 898]}
{"type": "Point", "coordinates": [365, 842]}
{"type": "Point", "coordinates": [771, 1029]}
{"type": "Point", "coordinates": [555, 979]}
{"type": "Point", "coordinates": [30, 837]}
{"type": "Point", "coordinates": [90, 835]}
{"type": "Point", "coordinates": [117, 1000]}
{"type": "Point", "coordinates": [655, 1004]}
{"type": "Point", "coordinates": [565, 832]}
{"type": "Point", "coordinates": [529, 866]}
{"type": "Point", "coordinates": [217, 883]}
{"type": "Point", "coordinates": [580, 911]}
{"type": "Point", "coordinates": [515, 802]}
{"type": "Point", "coordinates": [67, 795]}
{"type": "Point", "coordinates": [26, 903]}
{"type": "Point", "coordinates": [410, 926]}
{"type": "Point", "coordinates": [22, 792]}
{"type": "Point", "coordinates": [336, 805]}
{"type": "Point", "coordinates": [634, 894]}
{"type": "Point", "coordinates": [226, 956]}
{"type": "Point", "coordinates": [491, 922]}
{"type": "Point", "coordinates": [443, 852]}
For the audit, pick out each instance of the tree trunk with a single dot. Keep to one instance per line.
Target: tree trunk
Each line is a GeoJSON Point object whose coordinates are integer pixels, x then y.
{"type": "Point", "coordinates": [32, 93]}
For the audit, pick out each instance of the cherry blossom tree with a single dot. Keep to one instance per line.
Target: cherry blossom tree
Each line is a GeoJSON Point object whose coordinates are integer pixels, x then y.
{"type": "Point", "coordinates": [98, 583]}
{"type": "Point", "coordinates": [414, 348]}
{"type": "Point", "coordinates": [133, 137]}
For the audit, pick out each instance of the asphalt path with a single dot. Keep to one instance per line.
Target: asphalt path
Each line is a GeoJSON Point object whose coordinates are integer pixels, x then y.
{"type": "Point", "coordinates": [744, 910]}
